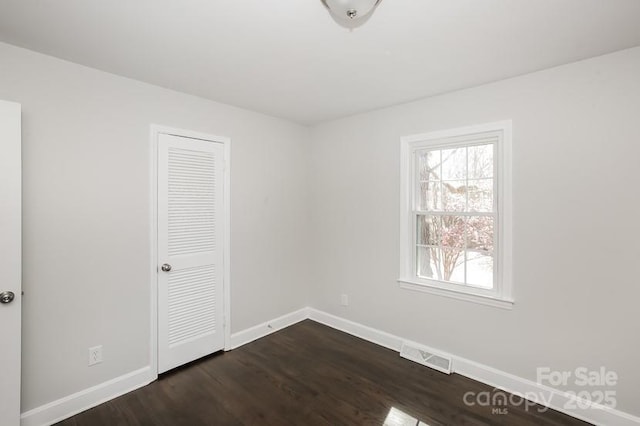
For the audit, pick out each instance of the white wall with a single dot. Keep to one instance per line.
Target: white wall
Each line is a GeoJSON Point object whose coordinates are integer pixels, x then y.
{"type": "Point", "coordinates": [86, 211]}
{"type": "Point", "coordinates": [576, 228]}
{"type": "Point", "coordinates": [86, 162]}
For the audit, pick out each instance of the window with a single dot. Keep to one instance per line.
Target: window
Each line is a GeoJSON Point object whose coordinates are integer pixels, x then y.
{"type": "Point", "coordinates": [456, 213]}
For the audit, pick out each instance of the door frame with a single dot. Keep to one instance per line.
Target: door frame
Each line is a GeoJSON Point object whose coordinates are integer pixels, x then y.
{"type": "Point", "coordinates": [156, 131]}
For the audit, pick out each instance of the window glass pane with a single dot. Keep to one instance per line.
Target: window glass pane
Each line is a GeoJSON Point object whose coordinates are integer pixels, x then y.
{"type": "Point", "coordinates": [480, 193]}
{"type": "Point", "coordinates": [454, 195]}
{"type": "Point", "coordinates": [452, 264]}
{"type": "Point", "coordinates": [429, 165]}
{"type": "Point", "coordinates": [480, 270]}
{"type": "Point", "coordinates": [453, 230]}
{"type": "Point", "coordinates": [480, 233]}
{"type": "Point", "coordinates": [430, 197]}
{"type": "Point", "coordinates": [428, 229]}
{"type": "Point", "coordinates": [454, 163]}
{"type": "Point", "coordinates": [480, 161]}
{"type": "Point", "coordinates": [443, 264]}
{"type": "Point", "coordinates": [429, 263]}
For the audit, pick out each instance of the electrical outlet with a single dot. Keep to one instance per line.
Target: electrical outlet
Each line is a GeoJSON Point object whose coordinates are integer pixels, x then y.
{"type": "Point", "coordinates": [344, 300]}
{"type": "Point", "coordinates": [95, 355]}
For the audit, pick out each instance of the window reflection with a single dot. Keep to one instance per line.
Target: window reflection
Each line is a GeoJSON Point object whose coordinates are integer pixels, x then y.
{"type": "Point", "coordinates": [398, 417]}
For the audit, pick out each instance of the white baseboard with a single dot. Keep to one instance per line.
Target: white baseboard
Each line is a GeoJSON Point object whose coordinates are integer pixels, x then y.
{"type": "Point", "coordinates": [261, 330]}
{"type": "Point", "coordinates": [545, 395]}
{"type": "Point", "coordinates": [372, 335]}
{"type": "Point", "coordinates": [556, 399]}
{"type": "Point", "coordinates": [553, 398]}
{"type": "Point", "coordinates": [78, 402]}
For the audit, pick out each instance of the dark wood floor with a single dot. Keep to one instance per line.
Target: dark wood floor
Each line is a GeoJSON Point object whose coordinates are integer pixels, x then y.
{"type": "Point", "coordinates": [308, 374]}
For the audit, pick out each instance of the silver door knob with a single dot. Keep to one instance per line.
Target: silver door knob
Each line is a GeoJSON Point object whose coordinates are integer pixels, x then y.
{"type": "Point", "coordinates": [166, 267]}
{"type": "Point", "coordinates": [7, 297]}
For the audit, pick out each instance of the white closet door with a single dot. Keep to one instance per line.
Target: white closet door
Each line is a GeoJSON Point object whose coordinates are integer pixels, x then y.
{"type": "Point", "coordinates": [190, 249]}
{"type": "Point", "coordinates": [10, 262]}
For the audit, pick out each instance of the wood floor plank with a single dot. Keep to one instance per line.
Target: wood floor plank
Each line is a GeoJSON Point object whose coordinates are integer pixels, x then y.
{"type": "Point", "coordinates": [308, 374]}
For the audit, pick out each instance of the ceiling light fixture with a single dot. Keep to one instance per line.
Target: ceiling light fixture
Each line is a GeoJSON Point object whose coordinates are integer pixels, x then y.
{"type": "Point", "coordinates": [350, 10]}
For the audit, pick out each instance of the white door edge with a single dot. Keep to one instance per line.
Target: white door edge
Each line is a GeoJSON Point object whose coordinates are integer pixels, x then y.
{"type": "Point", "coordinates": [155, 132]}
{"type": "Point", "coordinates": [11, 261]}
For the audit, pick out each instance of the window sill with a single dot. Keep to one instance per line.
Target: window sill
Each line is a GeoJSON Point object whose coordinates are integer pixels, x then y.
{"type": "Point", "coordinates": [469, 297]}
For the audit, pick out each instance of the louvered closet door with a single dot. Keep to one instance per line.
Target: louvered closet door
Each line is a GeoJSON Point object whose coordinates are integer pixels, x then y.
{"type": "Point", "coordinates": [190, 243]}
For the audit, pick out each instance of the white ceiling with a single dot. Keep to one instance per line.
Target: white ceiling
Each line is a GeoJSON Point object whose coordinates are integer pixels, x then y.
{"type": "Point", "coordinates": [289, 58]}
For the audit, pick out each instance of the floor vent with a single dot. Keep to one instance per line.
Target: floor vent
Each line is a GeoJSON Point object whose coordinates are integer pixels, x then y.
{"type": "Point", "coordinates": [426, 357]}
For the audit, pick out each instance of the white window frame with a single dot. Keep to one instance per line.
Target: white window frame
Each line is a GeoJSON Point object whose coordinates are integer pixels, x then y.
{"type": "Point", "coordinates": [502, 294]}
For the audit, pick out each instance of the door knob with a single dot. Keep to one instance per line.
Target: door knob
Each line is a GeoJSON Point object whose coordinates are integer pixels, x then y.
{"type": "Point", "coordinates": [7, 297]}
{"type": "Point", "coordinates": [166, 267]}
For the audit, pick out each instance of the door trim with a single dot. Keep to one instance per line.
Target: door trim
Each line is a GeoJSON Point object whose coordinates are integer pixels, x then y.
{"type": "Point", "coordinates": [156, 131]}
